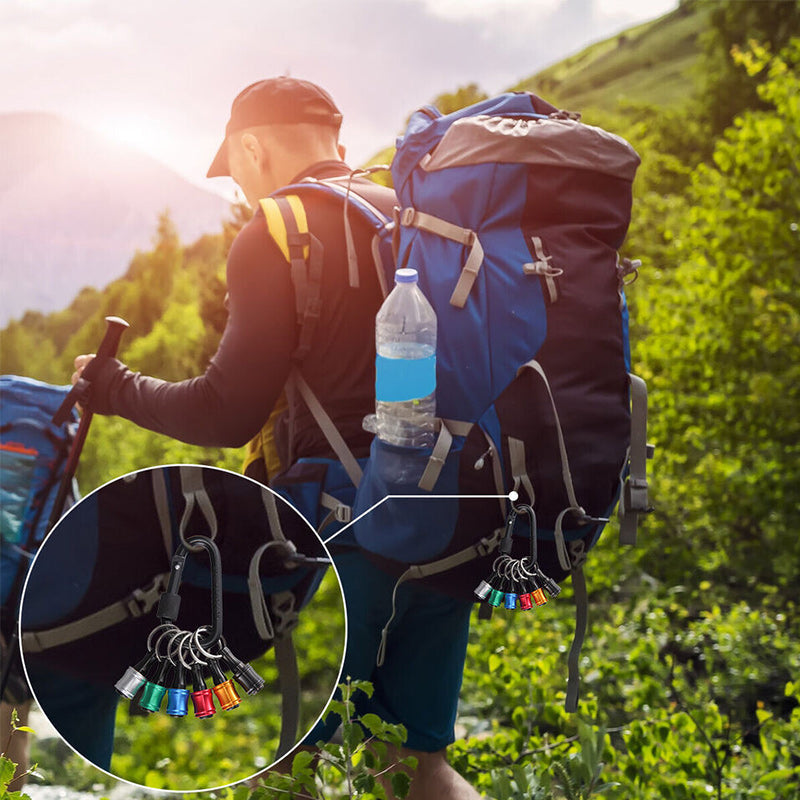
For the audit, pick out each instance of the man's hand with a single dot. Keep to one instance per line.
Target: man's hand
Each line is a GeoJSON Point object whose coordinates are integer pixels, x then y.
{"type": "Point", "coordinates": [81, 362]}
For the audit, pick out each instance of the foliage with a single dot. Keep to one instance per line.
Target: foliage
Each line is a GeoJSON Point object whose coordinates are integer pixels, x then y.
{"type": "Point", "coordinates": [727, 89]}
{"type": "Point", "coordinates": [720, 354]}
{"type": "Point", "coordinates": [8, 767]}
{"type": "Point", "coordinates": [464, 96]}
{"type": "Point", "coordinates": [365, 764]}
{"type": "Point", "coordinates": [667, 690]}
{"type": "Point", "coordinates": [57, 764]}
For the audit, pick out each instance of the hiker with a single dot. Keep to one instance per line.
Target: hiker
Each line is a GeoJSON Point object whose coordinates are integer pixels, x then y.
{"type": "Point", "coordinates": [281, 131]}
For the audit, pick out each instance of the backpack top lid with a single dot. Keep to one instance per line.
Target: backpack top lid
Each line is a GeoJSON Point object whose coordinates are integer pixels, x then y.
{"type": "Point", "coordinates": [511, 128]}
{"type": "Point", "coordinates": [427, 126]}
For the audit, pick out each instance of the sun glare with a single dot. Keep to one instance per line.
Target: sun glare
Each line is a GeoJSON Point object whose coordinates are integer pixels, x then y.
{"type": "Point", "coordinates": [140, 132]}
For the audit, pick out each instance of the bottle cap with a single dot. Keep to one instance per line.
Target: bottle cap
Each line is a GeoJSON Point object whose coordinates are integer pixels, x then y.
{"type": "Point", "coordinates": [406, 275]}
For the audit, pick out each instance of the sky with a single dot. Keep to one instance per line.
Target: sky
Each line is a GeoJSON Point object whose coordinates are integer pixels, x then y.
{"type": "Point", "coordinates": [161, 74]}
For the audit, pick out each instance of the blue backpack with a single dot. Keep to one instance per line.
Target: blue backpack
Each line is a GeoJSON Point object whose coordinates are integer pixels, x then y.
{"type": "Point", "coordinates": [33, 453]}
{"type": "Point", "coordinates": [512, 212]}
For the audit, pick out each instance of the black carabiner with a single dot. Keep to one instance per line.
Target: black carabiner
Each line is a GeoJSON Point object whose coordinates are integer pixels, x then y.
{"type": "Point", "coordinates": [511, 521]}
{"type": "Point", "coordinates": [526, 509]}
{"type": "Point", "coordinates": [170, 601]}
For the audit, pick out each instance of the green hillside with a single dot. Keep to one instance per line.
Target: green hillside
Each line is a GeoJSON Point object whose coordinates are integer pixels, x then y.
{"type": "Point", "coordinates": [651, 63]}
{"type": "Point", "coordinates": [655, 63]}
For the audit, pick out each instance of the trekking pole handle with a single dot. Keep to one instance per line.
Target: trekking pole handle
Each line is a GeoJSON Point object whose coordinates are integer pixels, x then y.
{"type": "Point", "coordinates": [115, 327]}
{"type": "Point", "coordinates": [80, 391]}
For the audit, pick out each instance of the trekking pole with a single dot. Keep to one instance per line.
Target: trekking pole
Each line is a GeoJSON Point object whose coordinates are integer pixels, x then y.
{"type": "Point", "coordinates": [81, 393]}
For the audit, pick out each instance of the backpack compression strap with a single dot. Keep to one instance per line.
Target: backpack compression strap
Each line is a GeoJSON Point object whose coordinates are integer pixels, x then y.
{"type": "Point", "coordinates": [482, 548]}
{"type": "Point", "coordinates": [411, 218]}
{"type": "Point", "coordinates": [194, 492]}
{"type": "Point", "coordinates": [138, 603]}
{"type": "Point", "coordinates": [633, 498]}
{"type": "Point", "coordinates": [572, 558]}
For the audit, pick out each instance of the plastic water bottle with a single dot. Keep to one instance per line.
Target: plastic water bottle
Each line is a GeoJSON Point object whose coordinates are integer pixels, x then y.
{"type": "Point", "coordinates": [405, 367]}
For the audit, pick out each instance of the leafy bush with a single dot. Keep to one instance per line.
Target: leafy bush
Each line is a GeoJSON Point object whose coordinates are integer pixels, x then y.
{"type": "Point", "coordinates": [363, 765]}
{"type": "Point", "coordinates": [8, 767]}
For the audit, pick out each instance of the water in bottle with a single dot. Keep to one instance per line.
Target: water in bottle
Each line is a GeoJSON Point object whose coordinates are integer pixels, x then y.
{"type": "Point", "coordinates": [405, 367]}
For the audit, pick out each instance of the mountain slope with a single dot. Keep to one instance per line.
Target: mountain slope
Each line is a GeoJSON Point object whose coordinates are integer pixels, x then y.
{"type": "Point", "coordinates": [74, 208]}
{"type": "Point", "coordinates": [652, 62]}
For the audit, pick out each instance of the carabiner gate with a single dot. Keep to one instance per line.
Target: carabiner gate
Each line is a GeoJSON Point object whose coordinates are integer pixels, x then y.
{"type": "Point", "coordinates": [170, 600]}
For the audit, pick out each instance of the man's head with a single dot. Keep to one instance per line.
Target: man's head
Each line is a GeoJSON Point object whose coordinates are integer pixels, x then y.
{"type": "Point", "coordinates": [277, 127]}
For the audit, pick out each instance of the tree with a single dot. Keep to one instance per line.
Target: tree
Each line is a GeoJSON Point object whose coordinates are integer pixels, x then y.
{"type": "Point", "coordinates": [464, 96]}
{"type": "Point", "coordinates": [729, 89]}
{"type": "Point", "coordinates": [722, 354]}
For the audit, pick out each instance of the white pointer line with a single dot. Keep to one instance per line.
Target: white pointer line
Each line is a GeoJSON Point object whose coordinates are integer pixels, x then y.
{"type": "Point", "coordinates": [512, 496]}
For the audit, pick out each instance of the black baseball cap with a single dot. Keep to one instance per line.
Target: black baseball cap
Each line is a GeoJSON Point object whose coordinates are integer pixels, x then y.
{"type": "Point", "coordinates": [276, 100]}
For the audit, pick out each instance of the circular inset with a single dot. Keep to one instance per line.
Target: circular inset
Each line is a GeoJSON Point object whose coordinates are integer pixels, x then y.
{"type": "Point", "coordinates": [170, 621]}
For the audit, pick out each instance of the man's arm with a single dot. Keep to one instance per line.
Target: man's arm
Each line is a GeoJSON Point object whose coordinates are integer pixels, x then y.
{"type": "Point", "coordinates": [228, 404]}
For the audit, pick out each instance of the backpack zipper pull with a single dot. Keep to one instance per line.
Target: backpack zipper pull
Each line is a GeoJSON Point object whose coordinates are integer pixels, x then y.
{"type": "Point", "coordinates": [481, 462]}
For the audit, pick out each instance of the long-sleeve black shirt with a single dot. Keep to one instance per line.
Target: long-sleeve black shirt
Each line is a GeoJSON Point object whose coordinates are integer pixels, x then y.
{"type": "Point", "coordinates": [230, 402]}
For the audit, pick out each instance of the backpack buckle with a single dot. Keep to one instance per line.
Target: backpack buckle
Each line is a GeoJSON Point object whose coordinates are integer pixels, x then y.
{"type": "Point", "coordinates": [577, 553]}
{"type": "Point", "coordinates": [284, 613]}
{"type": "Point", "coordinates": [408, 216]}
{"type": "Point", "coordinates": [343, 513]}
{"type": "Point", "coordinates": [141, 601]}
{"type": "Point", "coordinates": [489, 543]}
{"type": "Point", "coordinates": [635, 496]}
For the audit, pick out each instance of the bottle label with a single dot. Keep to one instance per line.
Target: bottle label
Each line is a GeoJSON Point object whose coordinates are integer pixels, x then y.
{"type": "Point", "coordinates": [400, 379]}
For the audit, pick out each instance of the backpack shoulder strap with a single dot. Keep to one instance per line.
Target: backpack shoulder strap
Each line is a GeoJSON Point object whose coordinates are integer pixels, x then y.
{"type": "Point", "coordinates": [379, 222]}
{"type": "Point", "coordinates": [287, 223]}
{"type": "Point", "coordinates": [282, 217]}
{"type": "Point", "coordinates": [288, 226]}
{"type": "Point", "coordinates": [326, 424]}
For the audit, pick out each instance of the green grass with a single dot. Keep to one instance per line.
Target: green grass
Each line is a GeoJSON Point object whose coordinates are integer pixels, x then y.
{"type": "Point", "coordinates": [652, 62]}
